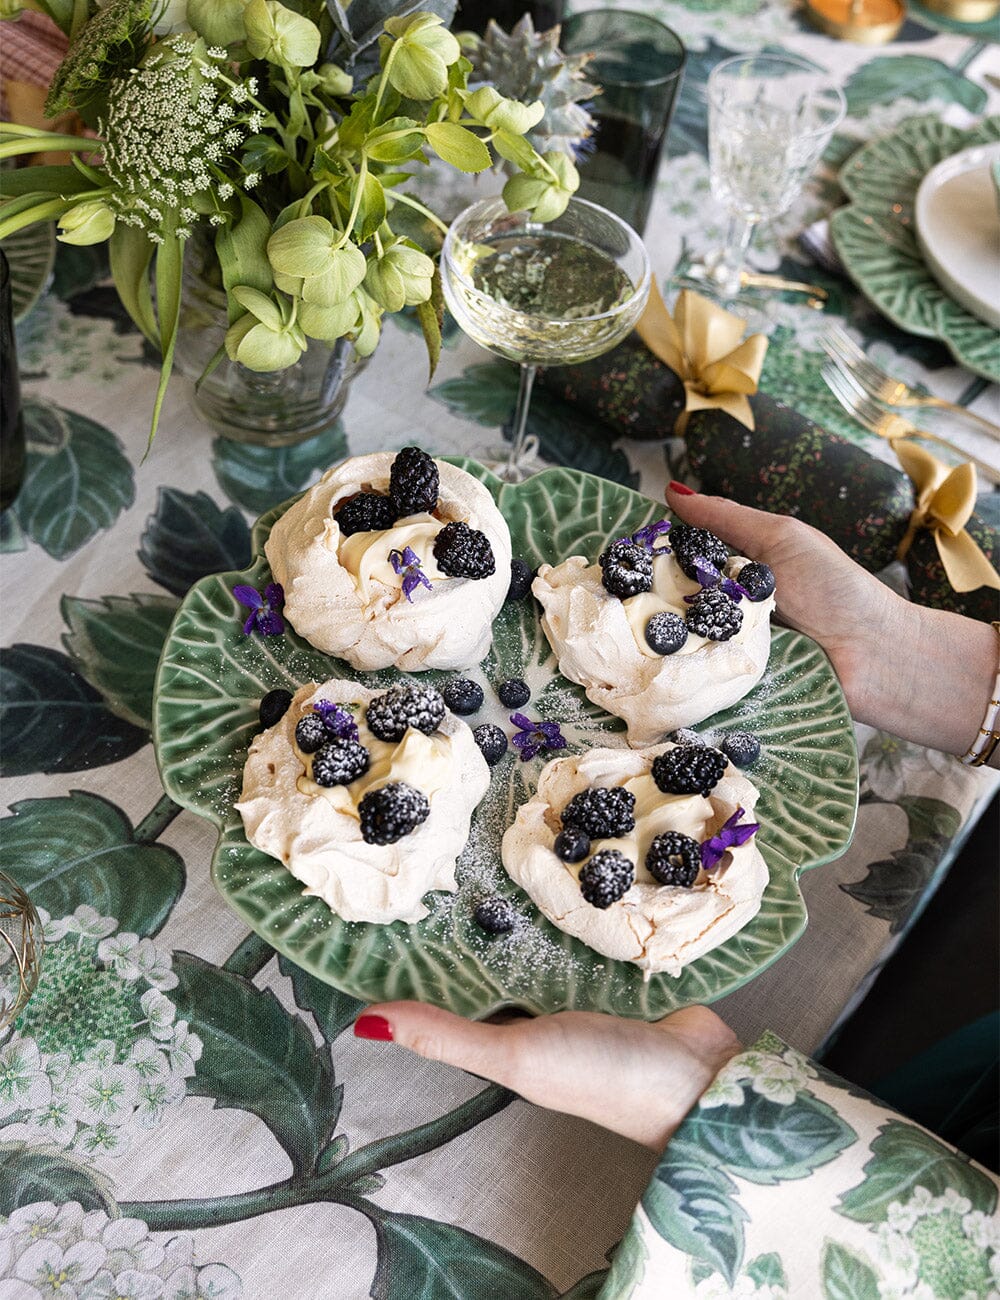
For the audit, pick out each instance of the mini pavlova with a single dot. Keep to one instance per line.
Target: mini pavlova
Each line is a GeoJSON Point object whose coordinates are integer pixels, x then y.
{"type": "Point", "coordinates": [664, 630]}
{"type": "Point", "coordinates": [647, 855]}
{"type": "Point", "coordinates": [394, 561]}
{"type": "Point", "coordinates": [365, 796]}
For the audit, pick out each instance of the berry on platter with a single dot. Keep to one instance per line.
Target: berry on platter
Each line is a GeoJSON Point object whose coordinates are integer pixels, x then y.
{"type": "Point", "coordinates": [392, 811]}
{"type": "Point", "coordinates": [365, 513]}
{"type": "Point", "coordinates": [340, 762]}
{"type": "Point", "coordinates": [602, 812]}
{"type": "Point", "coordinates": [689, 769]}
{"type": "Point", "coordinates": [666, 632]}
{"type": "Point", "coordinates": [674, 859]}
{"type": "Point", "coordinates": [414, 482]}
{"type": "Point", "coordinates": [462, 695]}
{"type": "Point", "coordinates": [273, 706]}
{"type": "Point", "coordinates": [496, 915]}
{"type": "Point", "coordinates": [514, 693]}
{"type": "Point", "coordinates": [520, 580]}
{"type": "Point", "coordinates": [626, 569]}
{"type": "Point", "coordinates": [464, 552]}
{"type": "Point", "coordinates": [406, 705]}
{"type": "Point", "coordinates": [311, 733]}
{"type": "Point", "coordinates": [492, 742]}
{"type": "Point", "coordinates": [572, 844]}
{"type": "Point", "coordinates": [607, 877]}
{"type": "Point", "coordinates": [714, 616]}
{"type": "Point", "coordinates": [741, 748]}
{"type": "Point", "coordinates": [689, 543]}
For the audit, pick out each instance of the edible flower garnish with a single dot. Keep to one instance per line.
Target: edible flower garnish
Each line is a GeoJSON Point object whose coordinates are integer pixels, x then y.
{"type": "Point", "coordinates": [532, 737]}
{"type": "Point", "coordinates": [337, 720]}
{"type": "Point", "coordinates": [264, 616]}
{"type": "Point", "coordinates": [729, 836]}
{"type": "Point", "coordinates": [709, 576]}
{"type": "Point", "coordinates": [407, 564]}
{"type": "Point", "coordinates": [647, 536]}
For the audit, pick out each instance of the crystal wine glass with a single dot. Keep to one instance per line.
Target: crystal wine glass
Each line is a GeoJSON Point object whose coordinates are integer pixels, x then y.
{"type": "Point", "coordinates": [769, 119]}
{"type": "Point", "coordinates": [542, 294]}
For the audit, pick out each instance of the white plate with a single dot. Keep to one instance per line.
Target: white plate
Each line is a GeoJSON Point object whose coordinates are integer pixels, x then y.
{"type": "Point", "coordinates": [958, 228]}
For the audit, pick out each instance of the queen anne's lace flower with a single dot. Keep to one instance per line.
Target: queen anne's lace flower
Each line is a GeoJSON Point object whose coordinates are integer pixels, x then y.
{"type": "Point", "coordinates": [937, 1248]}
{"type": "Point", "coordinates": [98, 1051]}
{"type": "Point", "coordinates": [59, 1251]}
{"type": "Point", "coordinates": [161, 129]}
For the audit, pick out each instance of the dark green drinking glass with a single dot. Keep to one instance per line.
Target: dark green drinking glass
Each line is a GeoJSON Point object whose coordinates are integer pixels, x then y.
{"type": "Point", "coordinates": [638, 63]}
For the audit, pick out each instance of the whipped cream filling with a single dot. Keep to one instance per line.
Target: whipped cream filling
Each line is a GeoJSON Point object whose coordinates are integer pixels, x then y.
{"type": "Point", "coordinates": [599, 641]}
{"type": "Point", "coordinates": [343, 596]}
{"type": "Point", "coordinates": [316, 831]}
{"type": "Point", "coordinates": [658, 927]}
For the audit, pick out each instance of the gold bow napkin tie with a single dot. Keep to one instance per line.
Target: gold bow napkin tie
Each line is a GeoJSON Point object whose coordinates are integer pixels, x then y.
{"type": "Point", "coordinates": [704, 344]}
{"type": "Point", "coordinates": [945, 500]}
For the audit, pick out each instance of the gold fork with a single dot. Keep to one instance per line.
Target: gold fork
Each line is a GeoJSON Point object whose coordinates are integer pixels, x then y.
{"type": "Point", "coordinates": [878, 383]}
{"type": "Point", "coordinates": [887, 425]}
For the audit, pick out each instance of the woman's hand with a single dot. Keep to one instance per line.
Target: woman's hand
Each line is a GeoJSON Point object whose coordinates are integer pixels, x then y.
{"type": "Point", "coordinates": [637, 1079]}
{"type": "Point", "coordinates": [925, 675]}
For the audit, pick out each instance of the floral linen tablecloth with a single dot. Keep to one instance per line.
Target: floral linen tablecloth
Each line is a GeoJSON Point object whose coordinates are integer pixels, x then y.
{"type": "Point", "coordinates": [183, 1112]}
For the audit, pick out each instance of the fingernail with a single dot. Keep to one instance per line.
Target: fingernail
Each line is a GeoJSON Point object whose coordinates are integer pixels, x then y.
{"type": "Point", "coordinates": [376, 1027]}
{"type": "Point", "coordinates": [681, 489]}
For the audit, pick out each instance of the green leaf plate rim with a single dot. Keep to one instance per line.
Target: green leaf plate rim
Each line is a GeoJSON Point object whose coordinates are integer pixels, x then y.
{"type": "Point", "coordinates": [957, 324]}
{"type": "Point", "coordinates": [783, 888]}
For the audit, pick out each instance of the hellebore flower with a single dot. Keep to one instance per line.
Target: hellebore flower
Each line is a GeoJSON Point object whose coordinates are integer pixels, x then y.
{"type": "Point", "coordinates": [264, 617]}
{"type": "Point", "coordinates": [729, 836]}
{"type": "Point", "coordinates": [532, 737]}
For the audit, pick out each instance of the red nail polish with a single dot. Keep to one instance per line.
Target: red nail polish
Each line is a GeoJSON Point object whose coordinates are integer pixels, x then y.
{"type": "Point", "coordinates": [681, 489]}
{"type": "Point", "coordinates": [376, 1027]}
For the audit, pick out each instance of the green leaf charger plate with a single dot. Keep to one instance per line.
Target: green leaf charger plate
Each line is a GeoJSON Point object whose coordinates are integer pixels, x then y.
{"type": "Point", "coordinates": [209, 685]}
{"type": "Point", "coordinates": [876, 239]}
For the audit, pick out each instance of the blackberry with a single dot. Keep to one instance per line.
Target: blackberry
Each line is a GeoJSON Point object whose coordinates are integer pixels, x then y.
{"type": "Point", "coordinates": [674, 859]}
{"type": "Point", "coordinates": [606, 877]}
{"type": "Point", "coordinates": [685, 736]}
{"type": "Point", "coordinates": [572, 844]}
{"type": "Point", "coordinates": [666, 632]}
{"type": "Point", "coordinates": [407, 705]}
{"type": "Point", "coordinates": [757, 580]}
{"type": "Point", "coordinates": [492, 742]}
{"type": "Point", "coordinates": [464, 552]}
{"type": "Point", "coordinates": [688, 542]}
{"type": "Point", "coordinates": [340, 762]}
{"type": "Point", "coordinates": [712, 614]}
{"type": "Point", "coordinates": [602, 812]}
{"type": "Point", "coordinates": [274, 706]}
{"type": "Point", "coordinates": [514, 692]}
{"type": "Point", "coordinates": [520, 580]}
{"type": "Point", "coordinates": [496, 915]}
{"type": "Point", "coordinates": [392, 811]}
{"type": "Point", "coordinates": [462, 695]}
{"type": "Point", "coordinates": [367, 512]}
{"type": "Point", "coordinates": [626, 569]}
{"type": "Point", "coordinates": [741, 748]}
{"type": "Point", "coordinates": [689, 769]}
{"type": "Point", "coordinates": [311, 733]}
{"type": "Point", "coordinates": [414, 482]}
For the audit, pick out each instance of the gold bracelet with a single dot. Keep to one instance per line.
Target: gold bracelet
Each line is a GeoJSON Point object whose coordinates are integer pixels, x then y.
{"type": "Point", "coordinates": [988, 737]}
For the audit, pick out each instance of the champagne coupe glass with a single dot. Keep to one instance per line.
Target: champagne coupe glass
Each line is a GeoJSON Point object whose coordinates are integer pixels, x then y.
{"type": "Point", "coordinates": [542, 294]}
{"type": "Point", "coordinates": [769, 119]}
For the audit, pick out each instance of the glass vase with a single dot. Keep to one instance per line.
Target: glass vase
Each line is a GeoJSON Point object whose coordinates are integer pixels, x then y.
{"type": "Point", "coordinates": [272, 409]}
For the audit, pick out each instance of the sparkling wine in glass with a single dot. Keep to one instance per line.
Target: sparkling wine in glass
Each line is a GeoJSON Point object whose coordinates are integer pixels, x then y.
{"type": "Point", "coordinates": [542, 294]}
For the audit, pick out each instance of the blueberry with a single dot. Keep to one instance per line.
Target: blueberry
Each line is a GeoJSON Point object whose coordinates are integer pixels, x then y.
{"type": "Point", "coordinates": [496, 915]}
{"type": "Point", "coordinates": [462, 695]}
{"type": "Point", "coordinates": [666, 633]}
{"type": "Point", "coordinates": [520, 580]}
{"type": "Point", "coordinates": [491, 741]}
{"type": "Point", "coordinates": [757, 580]}
{"type": "Point", "coordinates": [274, 706]}
{"type": "Point", "coordinates": [741, 748]}
{"type": "Point", "coordinates": [572, 844]}
{"type": "Point", "coordinates": [514, 693]}
{"type": "Point", "coordinates": [310, 733]}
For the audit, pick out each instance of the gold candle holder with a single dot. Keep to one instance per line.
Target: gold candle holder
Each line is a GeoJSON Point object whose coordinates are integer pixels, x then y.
{"type": "Point", "coordinates": [21, 946]}
{"type": "Point", "coordinates": [867, 22]}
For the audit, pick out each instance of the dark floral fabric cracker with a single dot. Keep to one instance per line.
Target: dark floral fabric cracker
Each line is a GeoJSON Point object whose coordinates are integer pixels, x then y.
{"type": "Point", "coordinates": [789, 465]}
{"type": "Point", "coordinates": [628, 389]}
{"type": "Point", "coordinates": [930, 586]}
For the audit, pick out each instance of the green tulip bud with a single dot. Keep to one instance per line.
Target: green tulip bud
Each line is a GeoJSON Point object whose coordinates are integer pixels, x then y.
{"type": "Point", "coordinates": [280, 35]}
{"type": "Point", "coordinates": [422, 52]}
{"type": "Point", "coordinates": [334, 80]}
{"type": "Point", "coordinates": [488, 106]}
{"type": "Point", "coordinates": [401, 277]}
{"type": "Point", "coordinates": [90, 222]}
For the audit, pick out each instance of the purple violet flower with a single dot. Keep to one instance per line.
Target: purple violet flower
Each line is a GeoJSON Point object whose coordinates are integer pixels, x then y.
{"type": "Point", "coordinates": [264, 616]}
{"type": "Point", "coordinates": [407, 564]}
{"type": "Point", "coordinates": [532, 737]}
{"type": "Point", "coordinates": [337, 720]}
{"type": "Point", "coordinates": [709, 576]}
{"type": "Point", "coordinates": [647, 536]}
{"type": "Point", "coordinates": [729, 836]}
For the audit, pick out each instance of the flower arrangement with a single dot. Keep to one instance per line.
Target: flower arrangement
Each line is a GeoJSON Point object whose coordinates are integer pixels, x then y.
{"type": "Point", "coordinates": [288, 137]}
